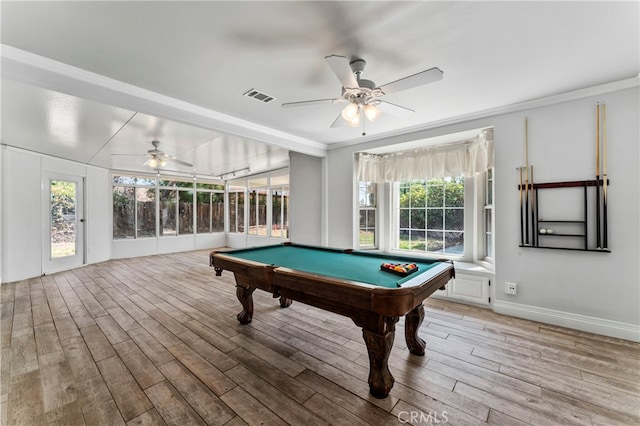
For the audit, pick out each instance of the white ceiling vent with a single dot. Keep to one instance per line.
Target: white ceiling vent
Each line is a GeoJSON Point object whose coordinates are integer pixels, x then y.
{"type": "Point", "coordinates": [260, 96]}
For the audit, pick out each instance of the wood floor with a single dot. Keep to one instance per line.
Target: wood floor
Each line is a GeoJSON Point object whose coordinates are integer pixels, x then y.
{"type": "Point", "coordinates": [154, 340]}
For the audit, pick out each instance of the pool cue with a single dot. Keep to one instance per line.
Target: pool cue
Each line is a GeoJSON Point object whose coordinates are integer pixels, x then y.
{"type": "Point", "coordinates": [604, 177]}
{"type": "Point", "coordinates": [521, 209]}
{"type": "Point", "coordinates": [534, 231]}
{"type": "Point", "coordinates": [598, 242]}
{"type": "Point", "coordinates": [526, 180]}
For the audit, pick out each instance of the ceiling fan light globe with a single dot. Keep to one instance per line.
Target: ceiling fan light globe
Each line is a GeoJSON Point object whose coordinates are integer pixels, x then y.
{"type": "Point", "coordinates": [372, 112]}
{"type": "Point", "coordinates": [350, 112]}
{"type": "Point", "coordinates": [162, 163]}
{"type": "Point", "coordinates": [354, 122]}
{"type": "Point", "coordinates": [153, 162]}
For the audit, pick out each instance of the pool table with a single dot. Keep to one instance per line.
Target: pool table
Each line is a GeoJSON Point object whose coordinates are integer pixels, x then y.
{"type": "Point", "coordinates": [347, 282]}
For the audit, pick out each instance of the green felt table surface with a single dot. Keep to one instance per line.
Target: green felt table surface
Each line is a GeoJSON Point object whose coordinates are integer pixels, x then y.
{"type": "Point", "coordinates": [357, 266]}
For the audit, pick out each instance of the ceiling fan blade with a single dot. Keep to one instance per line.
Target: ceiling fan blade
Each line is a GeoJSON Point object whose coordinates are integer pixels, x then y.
{"type": "Point", "coordinates": [310, 103]}
{"type": "Point", "coordinates": [342, 69]}
{"type": "Point", "coordinates": [415, 80]}
{"type": "Point", "coordinates": [175, 160]}
{"type": "Point", "coordinates": [338, 122]}
{"type": "Point", "coordinates": [395, 110]}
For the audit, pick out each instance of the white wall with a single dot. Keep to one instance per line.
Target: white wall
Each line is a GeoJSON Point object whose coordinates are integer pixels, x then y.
{"type": "Point", "coordinates": [22, 216]}
{"type": "Point", "coordinates": [22, 221]}
{"type": "Point", "coordinates": [306, 174]}
{"type": "Point", "coordinates": [591, 291]}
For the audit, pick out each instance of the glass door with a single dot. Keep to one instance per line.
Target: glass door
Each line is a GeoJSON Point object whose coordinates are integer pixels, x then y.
{"type": "Point", "coordinates": [64, 232]}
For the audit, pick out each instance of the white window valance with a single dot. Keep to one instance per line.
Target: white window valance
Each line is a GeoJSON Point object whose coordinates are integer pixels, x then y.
{"type": "Point", "coordinates": [455, 159]}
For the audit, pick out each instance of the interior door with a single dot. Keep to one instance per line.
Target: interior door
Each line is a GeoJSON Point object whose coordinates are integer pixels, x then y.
{"type": "Point", "coordinates": [64, 218]}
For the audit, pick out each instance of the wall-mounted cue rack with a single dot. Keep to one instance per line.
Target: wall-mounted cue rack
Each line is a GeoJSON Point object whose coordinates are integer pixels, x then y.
{"type": "Point", "coordinates": [557, 231]}
{"type": "Point", "coordinates": [560, 233]}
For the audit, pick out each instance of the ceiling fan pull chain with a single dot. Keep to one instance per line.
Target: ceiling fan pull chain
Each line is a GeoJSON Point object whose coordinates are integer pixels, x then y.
{"type": "Point", "coordinates": [363, 129]}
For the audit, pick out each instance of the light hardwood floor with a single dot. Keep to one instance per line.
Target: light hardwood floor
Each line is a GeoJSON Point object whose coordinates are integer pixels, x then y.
{"type": "Point", "coordinates": [154, 340]}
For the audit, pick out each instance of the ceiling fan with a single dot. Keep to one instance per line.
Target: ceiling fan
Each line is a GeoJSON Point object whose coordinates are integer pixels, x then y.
{"type": "Point", "coordinates": [363, 96]}
{"type": "Point", "coordinates": [158, 159]}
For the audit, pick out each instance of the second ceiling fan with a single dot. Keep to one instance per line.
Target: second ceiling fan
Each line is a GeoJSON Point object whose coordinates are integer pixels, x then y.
{"type": "Point", "coordinates": [362, 96]}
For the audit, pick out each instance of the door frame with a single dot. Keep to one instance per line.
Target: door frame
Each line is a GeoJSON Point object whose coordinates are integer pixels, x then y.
{"type": "Point", "coordinates": [50, 265]}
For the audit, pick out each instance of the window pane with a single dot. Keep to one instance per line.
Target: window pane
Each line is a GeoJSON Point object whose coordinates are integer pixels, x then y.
{"type": "Point", "coordinates": [405, 194]}
{"type": "Point", "coordinates": [210, 186]}
{"type": "Point", "coordinates": [175, 183]}
{"type": "Point", "coordinates": [63, 218]}
{"type": "Point", "coordinates": [454, 193]}
{"type": "Point", "coordinates": [417, 218]}
{"type": "Point", "coordinates": [367, 194]}
{"type": "Point", "coordinates": [241, 212]}
{"type": "Point", "coordinates": [454, 219]}
{"type": "Point", "coordinates": [418, 240]}
{"type": "Point", "coordinates": [285, 219]}
{"type": "Point", "coordinates": [435, 195]}
{"type": "Point", "coordinates": [262, 212]}
{"type": "Point", "coordinates": [418, 194]}
{"type": "Point", "coordinates": [404, 218]}
{"type": "Point", "coordinates": [217, 205]}
{"type": "Point", "coordinates": [252, 212]}
{"type": "Point", "coordinates": [276, 213]}
{"type": "Point", "coordinates": [203, 212]}
{"type": "Point", "coordinates": [371, 219]}
{"type": "Point", "coordinates": [233, 205]}
{"type": "Point", "coordinates": [434, 241]}
{"type": "Point", "coordinates": [489, 199]}
{"type": "Point", "coordinates": [403, 239]}
{"type": "Point", "coordinates": [454, 242]}
{"type": "Point", "coordinates": [123, 212]}
{"type": "Point", "coordinates": [168, 212]}
{"type": "Point", "coordinates": [146, 200]}
{"type": "Point", "coordinates": [185, 211]}
{"type": "Point", "coordinates": [435, 219]}
{"type": "Point", "coordinates": [489, 246]}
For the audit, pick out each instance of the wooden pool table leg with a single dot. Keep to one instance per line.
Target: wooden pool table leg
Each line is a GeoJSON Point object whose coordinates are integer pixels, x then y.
{"type": "Point", "coordinates": [284, 302]}
{"type": "Point", "coordinates": [379, 340]}
{"type": "Point", "coordinates": [412, 322]}
{"type": "Point", "coordinates": [245, 296]}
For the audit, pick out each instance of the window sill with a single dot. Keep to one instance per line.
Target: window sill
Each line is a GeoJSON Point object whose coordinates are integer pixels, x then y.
{"type": "Point", "coordinates": [469, 268]}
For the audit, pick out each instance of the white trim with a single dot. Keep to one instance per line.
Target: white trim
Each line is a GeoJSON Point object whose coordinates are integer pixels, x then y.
{"type": "Point", "coordinates": [39, 71]}
{"type": "Point", "coordinates": [590, 324]}
{"type": "Point", "coordinates": [408, 132]}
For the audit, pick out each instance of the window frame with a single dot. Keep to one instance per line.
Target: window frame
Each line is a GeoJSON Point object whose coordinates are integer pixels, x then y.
{"type": "Point", "coordinates": [367, 209]}
{"type": "Point", "coordinates": [395, 212]}
{"type": "Point", "coordinates": [159, 183]}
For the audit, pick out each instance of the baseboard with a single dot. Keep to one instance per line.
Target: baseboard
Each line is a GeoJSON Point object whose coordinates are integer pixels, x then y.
{"type": "Point", "coordinates": [595, 325]}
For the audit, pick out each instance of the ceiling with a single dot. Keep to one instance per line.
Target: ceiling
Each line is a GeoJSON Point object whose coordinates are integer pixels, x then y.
{"type": "Point", "coordinates": [90, 81]}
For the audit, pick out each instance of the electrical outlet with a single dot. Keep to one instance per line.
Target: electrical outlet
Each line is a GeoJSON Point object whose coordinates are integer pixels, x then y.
{"type": "Point", "coordinates": [511, 288]}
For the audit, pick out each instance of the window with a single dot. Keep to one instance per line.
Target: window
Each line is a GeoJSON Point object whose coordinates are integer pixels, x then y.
{"type": "Point", "coordinates": [134, 212]}
{"type": "Point", "coordinates": [185, 212]}
{"type": "Point", "coordinates": [236, 209]}
{"type": "Point", "coordinates": [257, 206]}
{"type": "Point", "coordinates": [267, 206]}
{"type": "Point", "coordinates": [430, 216]}
{"type": "Point", "coordinates": [280, 212]}
{"type": "Point", "coordinates": [488, 217]}
{"type": "Point", "coordinates": [209, 208]}
{"type": "Point", "coordinates": [279, 185]}
{"type": "Point", "coordinates": [137, 199]}
{"type": "Point", "coordinates": [367, 212]}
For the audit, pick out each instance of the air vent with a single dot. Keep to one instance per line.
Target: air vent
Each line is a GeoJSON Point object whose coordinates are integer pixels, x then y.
{"type": "Point", "coordinates": [258, 95]}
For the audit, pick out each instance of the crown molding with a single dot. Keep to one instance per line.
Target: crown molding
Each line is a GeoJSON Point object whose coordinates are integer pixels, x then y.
{"type": "Point", "coordinates": [39, 71]}
{"type": "Point", "coordinates": [507, 109]}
